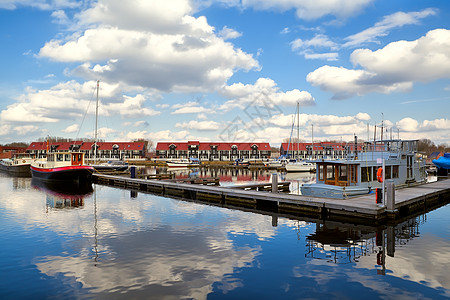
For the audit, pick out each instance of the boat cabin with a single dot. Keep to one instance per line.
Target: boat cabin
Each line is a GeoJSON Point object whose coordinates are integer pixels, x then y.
{"type": "Point", "coordinates": [67, 158]}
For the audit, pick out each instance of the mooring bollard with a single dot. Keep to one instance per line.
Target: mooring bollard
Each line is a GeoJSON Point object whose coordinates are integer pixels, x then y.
{"type": "Point", "coordinates": [390, 195]}
{"type": "Point", "coordinates": [274, 183]}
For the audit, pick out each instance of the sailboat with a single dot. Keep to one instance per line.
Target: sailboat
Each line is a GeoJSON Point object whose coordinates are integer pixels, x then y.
{"type": "Point", "coordinates": [298, 165]}
{"type": "Point", "coordinates": [110, 165]}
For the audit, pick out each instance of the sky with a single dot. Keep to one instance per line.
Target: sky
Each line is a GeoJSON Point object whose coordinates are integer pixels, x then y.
{"type": "Point", "coordinates": [225, 70]}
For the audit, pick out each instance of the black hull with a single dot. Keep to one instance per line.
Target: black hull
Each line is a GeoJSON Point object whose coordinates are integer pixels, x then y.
{"type": "Point", "coordinates": [20, 170]}
{"type": "Point", "coordinates": [70, 175]}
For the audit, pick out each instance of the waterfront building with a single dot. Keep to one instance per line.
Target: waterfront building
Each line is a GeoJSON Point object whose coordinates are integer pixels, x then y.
{"type": "Point", "coordinates": [105, 150]}
{"type": "Point", "coordinates": [213, 151]}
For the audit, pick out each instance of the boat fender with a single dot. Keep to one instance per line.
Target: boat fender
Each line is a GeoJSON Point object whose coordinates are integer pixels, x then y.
{"type": "Point", "coordinates": [380, 174]}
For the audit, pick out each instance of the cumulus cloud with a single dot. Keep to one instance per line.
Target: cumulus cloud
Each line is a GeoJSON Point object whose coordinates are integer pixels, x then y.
{"type": "Point", "coordinates": [393, 68]}
{"type": "Point", "coordinates": [264, 92]}
{"type": "Point", "coordinates": [228, 33]}
{"type": "Point", "coordinates": [72, 128]}
{"type": "Point", "coordinates": [199, 125]}
{"type": "Point", "coordinates": [154, 44]}
{"type": "Point", "coordinates": [162, 136]}
{"type": "Point", "coordinates": [70, 101]}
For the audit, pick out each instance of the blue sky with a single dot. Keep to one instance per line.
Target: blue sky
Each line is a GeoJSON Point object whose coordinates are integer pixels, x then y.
{"type": "Point", "coordinates": [224, 70]}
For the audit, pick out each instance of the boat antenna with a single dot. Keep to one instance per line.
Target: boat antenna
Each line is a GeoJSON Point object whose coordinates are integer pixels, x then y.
{"type": "Point", "coordinates": [382, 125]}
{"type": "Point", "coordinates": [96, 125]}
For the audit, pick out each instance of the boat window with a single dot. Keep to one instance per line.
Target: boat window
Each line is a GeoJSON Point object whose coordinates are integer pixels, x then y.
{"type": "Point", "coordinates": [330, 172]}
{"type": "Point", "coordinates": [343, 173]}
{"type": "Point", "coordinates": [365, 174]}
{"type": "Point", "coordinates": [388, 172]}
{"type": "Point", "coordinates": [395, 171]}
{"type": "Point", "coordinates": [321, 172]}
{"type": "Point", "coordinates": [67, 157]}
{"type": "Point", "coordinates": [59, 157]}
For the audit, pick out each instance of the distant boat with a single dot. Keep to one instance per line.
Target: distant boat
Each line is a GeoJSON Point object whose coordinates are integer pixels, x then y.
{"type": "Point", "coordinates": [183, 163]}
{"type": "Point", "coordinates": [299, 166]}
{"type": "Point", "coordinates": [112, 165]}
{"type": "Point", "coordinates": [241, 162]}
{"type": "Point", "coordinates": [63, 167]}
{"type": "Point", "coordinates": [19, 165]}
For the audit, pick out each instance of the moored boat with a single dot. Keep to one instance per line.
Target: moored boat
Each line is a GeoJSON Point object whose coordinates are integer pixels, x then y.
{"type": "Point", "coordinates": [62, 166]}
{"type": "Point", "coordinates": [183, 163]}
{"type": "Point", "coordinates": [299, 166]}
{"type": "Point", "coordinates": [112, 165]}
{"type": "Point", "coordinates": [19, 165]}
{"type": "Point", "coordinates": [360, 172]}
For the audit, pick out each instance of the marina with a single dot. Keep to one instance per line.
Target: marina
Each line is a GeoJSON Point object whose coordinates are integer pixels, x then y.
{"type": "Point", "coordinates": [101, 241]}
{"type": "Point", "coordinates": [361, 209]}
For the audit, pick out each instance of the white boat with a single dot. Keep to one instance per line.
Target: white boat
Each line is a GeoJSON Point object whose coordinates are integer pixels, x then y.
{"type": "Point", "coordinates": [300, 166]}
{"type": "Point", "coordinates": [359, 173]}
{"type": "Point", "coordinates": [182, 163]}
{"type": "Point", "coordinates": [297, 165]}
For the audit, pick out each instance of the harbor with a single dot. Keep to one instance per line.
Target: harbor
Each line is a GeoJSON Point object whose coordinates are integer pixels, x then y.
{"type": "Point", "coordinates": [360, 209]}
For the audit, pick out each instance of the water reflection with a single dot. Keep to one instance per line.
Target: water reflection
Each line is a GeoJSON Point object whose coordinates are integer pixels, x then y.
{"type": "Point", "coordinates": [124, 245]}
{"type": "Point", "coordinates": [63, 195]}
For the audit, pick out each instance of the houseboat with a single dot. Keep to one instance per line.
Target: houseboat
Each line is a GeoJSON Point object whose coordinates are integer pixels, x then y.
{"type": "Point", "coordinates": [360, 172]}
{"type": "Point", "coordinates": [19, 165]}
{"type": "Point", "coordinates": [62, 166]}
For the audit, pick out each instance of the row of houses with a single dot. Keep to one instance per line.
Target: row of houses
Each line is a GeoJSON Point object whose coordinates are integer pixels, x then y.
{"type": "Point", "coordinates": [105, 150]}
{"type": "Point", "coordinates": [213, 151]}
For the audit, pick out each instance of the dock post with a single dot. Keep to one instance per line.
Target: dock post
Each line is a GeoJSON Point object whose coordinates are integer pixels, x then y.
{"type": "Point", "coordinates": [133, 171]}
{"type": "Point", "coordinates": [274, 183]}
{"type": "Point", "coordinates": [390, 195]}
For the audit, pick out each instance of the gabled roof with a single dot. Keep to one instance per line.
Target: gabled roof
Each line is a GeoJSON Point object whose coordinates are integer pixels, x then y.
{"type": "Point", "coordinates": [206, 146]}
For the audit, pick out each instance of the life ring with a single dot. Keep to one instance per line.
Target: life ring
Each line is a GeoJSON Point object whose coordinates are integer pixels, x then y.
{"type": "Point", "coordinates": [380, 174]}
{"type": "Point", "coordinates": [24, 161]}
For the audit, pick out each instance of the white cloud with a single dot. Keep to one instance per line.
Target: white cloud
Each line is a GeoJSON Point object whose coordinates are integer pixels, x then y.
{"type": "Point", "coordinates": [72, 128]}
{"type": "Point", "coordinates": [71, 100]}
{"type": "Point", "coordinates": [264, 92]}
{"type": "Point", "coordinates": [308, 48]}
{"type": "Point", "coordinates": [393, 68]}
{"type": "Point", "coordinates": [228, 33]}
{"type": "Point", "coordinates": [190, 108]}
{"type": "Point", "coordinates": [306, 9]}
{"type": "Point", "coordinates": [39, 4]}
{"type": "Point", "coordinates": [154, 44]}
{"type": "Point", "coordinates": [131, 107]}
{"type": "Point", "coordinates": [162, 136]}
{"type": "Point", "coordinates": [388, 23]}
{"type": "Point", "coordinates": [199, 125]}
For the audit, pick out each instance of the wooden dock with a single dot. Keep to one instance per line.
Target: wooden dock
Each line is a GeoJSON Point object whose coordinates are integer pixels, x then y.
{"type": "Point", "coordinates": [358, 210]}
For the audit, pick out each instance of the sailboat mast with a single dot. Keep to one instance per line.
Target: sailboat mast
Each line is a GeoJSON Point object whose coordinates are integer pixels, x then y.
{"type": "Point", "coordinates": [298, 128]}
{"type": "Point", "coordinates": [96, 125]}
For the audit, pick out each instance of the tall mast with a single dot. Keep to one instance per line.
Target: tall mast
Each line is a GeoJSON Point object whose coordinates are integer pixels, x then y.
{"type": "Point", "coordinates": [298, 128]}
{"type": "Point", "coordinates": [96, 125]}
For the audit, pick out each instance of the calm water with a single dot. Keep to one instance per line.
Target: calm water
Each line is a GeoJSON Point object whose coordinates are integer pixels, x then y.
{"type": "Point", "coordinates": [111, 243]}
